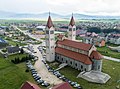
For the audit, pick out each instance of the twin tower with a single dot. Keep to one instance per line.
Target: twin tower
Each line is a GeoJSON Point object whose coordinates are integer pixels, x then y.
{"type": "Point", "coordinates": [50, 37]}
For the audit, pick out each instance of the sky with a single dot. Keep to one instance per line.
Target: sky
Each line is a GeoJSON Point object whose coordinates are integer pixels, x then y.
{"type": "Point", "coordinates": [63, 7]}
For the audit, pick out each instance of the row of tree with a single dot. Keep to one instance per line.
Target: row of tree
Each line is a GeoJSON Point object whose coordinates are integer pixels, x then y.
{"type": "Point", "coordinates": [99, 30]}
{"type": "Point", "coordinates": [23, 59]}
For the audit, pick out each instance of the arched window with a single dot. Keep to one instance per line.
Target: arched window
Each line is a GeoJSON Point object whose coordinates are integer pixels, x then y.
{"type": "Point", "coordinates": [76, 64]}
{"type": "Point", "coordinates": [66, 61]}
{"type": "Point", "coordinates": [99, 67]}
{"type": "Point", "coordinates": [71, 62]}
{"type": "Point", "coordinates": [62, 59]}
{"type": "Point", "coordinates": [81, 67]}
{"type": "Point", "coordinates": [85, 69]}
{"type": "Point", "coordinates": [70, 29]}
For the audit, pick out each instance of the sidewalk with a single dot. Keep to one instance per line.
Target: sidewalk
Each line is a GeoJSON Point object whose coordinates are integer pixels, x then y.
{"type": "Point", "coordinates": [112, 59]}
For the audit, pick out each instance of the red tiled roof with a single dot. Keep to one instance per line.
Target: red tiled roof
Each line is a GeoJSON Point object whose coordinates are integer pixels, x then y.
{"type": "Point", "coordinates": [49, 22]}
{"type": "Point", "coordinates": [75, 44]}
{"type": "Point", "coordinates": [64, 85]}
{"type": "Point", "coordinates": [29, 85]}
{"type": "Point", "coordinates": [72, 22]}
{"type": "Point", "coordinates": [74, 55]}
{"type": "Point", "coordinates": [96, 55]}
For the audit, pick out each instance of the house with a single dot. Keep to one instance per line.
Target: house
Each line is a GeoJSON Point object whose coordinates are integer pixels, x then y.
{"type": "Point", "coordinates": [95, 40]}
{"type": "Point", "coordinates": [29, 85]}
{"type": "Point", "coordinates": [79, 55]}
{"type": "Point", "coordinates": [113, 38]}
{"type": "Point", "coordinates": [13, 49]}
{"type": "Point", "coordinates": [64, 85]}
{"type": "Point", "coordinates": [2, 32]}
{"type": "Point", "coordinates": [41, 28]}
{"type": "Point", "coordinates": [3, 43]}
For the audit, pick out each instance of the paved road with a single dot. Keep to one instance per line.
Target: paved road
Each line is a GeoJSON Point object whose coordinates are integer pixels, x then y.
{"type": "Point", "coordinates": [43, 71]}
{"type": "Point", "coordinates": [112, 59]}
{"type": "Point", "coordinates": [26, 33]}
{"type": "Point", "coordinates": [40, 66]}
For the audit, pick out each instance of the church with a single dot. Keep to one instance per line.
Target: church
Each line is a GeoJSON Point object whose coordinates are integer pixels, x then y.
{"type": "Point", "coordinates": [78, 55]}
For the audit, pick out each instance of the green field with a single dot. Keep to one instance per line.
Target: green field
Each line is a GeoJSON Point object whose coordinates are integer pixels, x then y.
{"type": "Point", "coordinates": [13, 76]}
{"type": "Point", "coordinates": [109, 67]}
{"type": "Point", "coordinates": [107, 52]}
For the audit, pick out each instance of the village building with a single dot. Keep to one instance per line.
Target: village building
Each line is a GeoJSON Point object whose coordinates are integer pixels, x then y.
{"type": "Point", "coordinates": [79, 55]}
{"type": "Point", "coordinates": [64, 85]}
{"type": "Point", "coordinates": [3, 43]}
{"type": "Point", "coordinates": [113, 38]}
{"type": "Point", "coordinates": [96, 40]}
{"type": "Point", "coordinates": [11, 50]}
{"type": "Point", "coordinates": [29, 85]}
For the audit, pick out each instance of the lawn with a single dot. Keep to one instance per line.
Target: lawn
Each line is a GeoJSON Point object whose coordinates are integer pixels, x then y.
{"type": "Point", "coordinates": [107, 52]}
{"type": "Point", "coordinates": [109, 67]}
{"type": "Point", "coordinates": [15, 43]}
{"type": "Point", "coordinates": [12, 76]}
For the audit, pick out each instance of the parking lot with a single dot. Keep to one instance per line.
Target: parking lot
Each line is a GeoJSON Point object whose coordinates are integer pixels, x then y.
{"type": "Point", "coordinates": [42, 69]}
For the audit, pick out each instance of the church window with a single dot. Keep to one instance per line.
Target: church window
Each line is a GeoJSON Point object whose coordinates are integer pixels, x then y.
{"type": "Point", "coordinates": [85, 69]}
{"type": "Point", "coordinates": [58, 57]}
{"type": "Point", "coordinates": [81, 67]}
{"type": "Point", "coordinates": [66, 61]}
{"type": "Point", "coordinates": [71, 62]}
{"type": "Point", "coordinates": [47, 32]}
{"type": "Point", "coordinates": [74, 29]}
{"type": "Point", "coordinates": [70, 29]}
{"type": "Point", "coordinates": [51, 32]}
{"type": "Point", "coordinates": [76, 64]}
{"type": "Point", "coordinates": [62, 59]}
{"type": "Point", "coordinates": [99, 67]}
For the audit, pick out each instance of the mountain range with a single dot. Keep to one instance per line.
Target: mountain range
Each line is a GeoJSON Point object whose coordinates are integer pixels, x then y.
{"type": "Point", "coordinates": [4, 14]}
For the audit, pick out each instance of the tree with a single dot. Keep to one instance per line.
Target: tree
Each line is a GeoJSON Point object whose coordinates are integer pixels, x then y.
{"type": "Point", "coordinates": [21, 51]}
{"type": "Point", "coordinates": [94, 29]}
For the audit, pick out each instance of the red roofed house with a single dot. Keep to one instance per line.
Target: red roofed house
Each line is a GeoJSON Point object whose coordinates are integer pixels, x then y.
{"type": "Point", "coordinates": [64, 85]}
{"type": "Point", "coordinates": [29, 85]}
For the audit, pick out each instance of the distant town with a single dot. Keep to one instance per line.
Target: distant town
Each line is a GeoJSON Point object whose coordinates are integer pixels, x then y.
{"type": "Point", "coordinates": [74, 54]}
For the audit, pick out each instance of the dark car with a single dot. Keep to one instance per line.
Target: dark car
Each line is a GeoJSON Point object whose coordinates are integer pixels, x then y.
{"type": "Point", "coordinates": [45, 84]}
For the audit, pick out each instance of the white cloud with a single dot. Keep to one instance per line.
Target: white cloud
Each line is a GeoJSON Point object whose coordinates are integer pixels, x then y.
{"type": "Point", "coordinates": [102, 7]}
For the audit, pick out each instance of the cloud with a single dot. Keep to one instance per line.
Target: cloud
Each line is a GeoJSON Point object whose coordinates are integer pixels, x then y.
{"type": "Point", "coordinates": [103, 7]}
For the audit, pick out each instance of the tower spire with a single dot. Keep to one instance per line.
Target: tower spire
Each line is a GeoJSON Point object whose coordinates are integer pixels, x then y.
{"type": "Point", "coordinates": [49, 13]}
{"type": "Point", "coordinates": [49, 22]}
{"type": "Point", "coordinates": [72, 22]}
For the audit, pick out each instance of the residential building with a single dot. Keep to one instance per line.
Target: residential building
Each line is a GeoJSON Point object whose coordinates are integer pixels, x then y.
{"type": "Point", "coordinates": [64, 85]}
{"type": "Point", "coordinates": [29, 85]}
{"type": "Point", "coordinates": [13, 49]}
{"type": "Point", "coordinates": [113, 38]}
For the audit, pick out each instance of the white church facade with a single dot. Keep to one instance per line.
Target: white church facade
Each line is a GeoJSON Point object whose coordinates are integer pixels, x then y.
{"type": "Point", "coordinates": [78, 55]}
